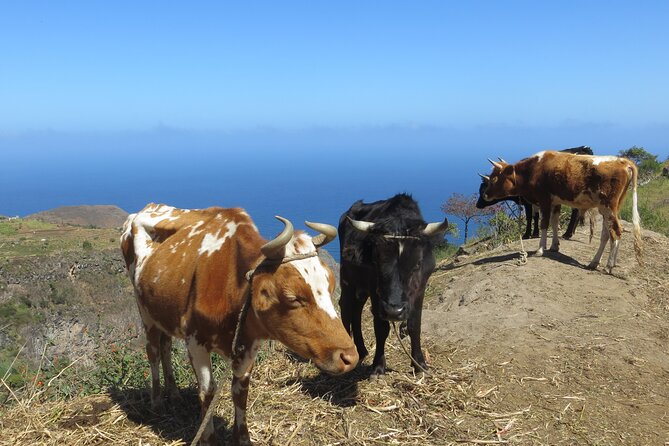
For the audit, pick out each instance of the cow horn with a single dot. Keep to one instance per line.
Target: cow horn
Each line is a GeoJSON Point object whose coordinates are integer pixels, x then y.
{"type": "Point", "coordinates": [494, 163]}
{"type": "Point", "coordinates": [436, 228]}
{"type": "Point", "coordinates": [502, 160]}
{"type": "Point", "coordinates": [360, 225]}
{"type": "Point", "coordinates": [485, 177]}
{"type": "Point", "coordinates": [327, 233]}
{"type": "Point", "coordinates": [274, 248]}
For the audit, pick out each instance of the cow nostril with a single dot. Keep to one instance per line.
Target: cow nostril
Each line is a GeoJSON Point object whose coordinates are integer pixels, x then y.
{"type": "Point", "coordinates": [397, 310]}
{"type": "Point", "coordinates": [349, 357]}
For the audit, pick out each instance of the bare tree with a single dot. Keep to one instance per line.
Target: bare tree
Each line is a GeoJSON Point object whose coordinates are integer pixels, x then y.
{"type": "Point", "coordinates": [464, 207]}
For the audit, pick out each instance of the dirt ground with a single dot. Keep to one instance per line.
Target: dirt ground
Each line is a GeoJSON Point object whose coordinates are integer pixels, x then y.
{"type": "Point", "coordinates": [583, 354]}
{"type": "Point", "coordinates": [544, 353]}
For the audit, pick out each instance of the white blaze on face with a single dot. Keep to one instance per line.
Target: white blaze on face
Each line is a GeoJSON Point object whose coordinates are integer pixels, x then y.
{"type": "Point", "coordinates": [313, 273]}
{"type": "Point", "coordinates": [212, 243]}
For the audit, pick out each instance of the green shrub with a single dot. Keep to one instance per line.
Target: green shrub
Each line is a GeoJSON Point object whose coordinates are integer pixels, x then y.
{"type": "Point", "coordinates": [87, 245]}
{"type": "Point", "coordinates": [7, 228]}
{"type": "Point", "coordinates": [16, 312]}
{"type": "Point", "coordinates": [502, 228]}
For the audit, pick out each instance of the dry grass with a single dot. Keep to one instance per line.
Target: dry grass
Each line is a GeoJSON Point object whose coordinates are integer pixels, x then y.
{"type": "Point", "coordinates": [290, 403]}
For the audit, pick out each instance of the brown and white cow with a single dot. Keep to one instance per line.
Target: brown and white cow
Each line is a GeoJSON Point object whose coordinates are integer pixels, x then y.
{"type": "Point", "coordinates": [550, 179]}
{"type": "Point", "coordinates": [193, 270]}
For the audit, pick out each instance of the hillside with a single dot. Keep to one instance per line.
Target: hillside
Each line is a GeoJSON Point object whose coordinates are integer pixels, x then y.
{"type": "Point", "coordinates": [100, 216]}
{"type": "Point", "coordinates": [653, 205]}
{"type": "Point", "coordinates": [541, 353]}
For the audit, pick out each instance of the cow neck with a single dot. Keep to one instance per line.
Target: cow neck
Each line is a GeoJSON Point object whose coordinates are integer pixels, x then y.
{"type": "Point", "coordinates": [522, 172]}
{"type": "Point", "coordinates": [238, 347]}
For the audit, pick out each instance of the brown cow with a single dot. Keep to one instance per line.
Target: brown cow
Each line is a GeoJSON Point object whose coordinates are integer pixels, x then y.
{"type": "Point", "coordinates": [550, 179]}
{"type": "Point", "coordinates": [194, 271]}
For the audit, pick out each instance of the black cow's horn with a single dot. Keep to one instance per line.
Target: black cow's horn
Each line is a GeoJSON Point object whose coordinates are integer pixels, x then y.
{"type": "Point", "coordinates": [494, 163]}
{"type": "Point", "coordinates": [485, 177]}
{"type": "Point", "coordinates": [436, 228]}
{"type": "Point", "coordinates": [360, 225]}
{"type": "Point", "coordinates": [327, 233]}
{"type": "Point", "coordinates": [502, 160]}
{"type": "Point", "coordinates": [274, 248]}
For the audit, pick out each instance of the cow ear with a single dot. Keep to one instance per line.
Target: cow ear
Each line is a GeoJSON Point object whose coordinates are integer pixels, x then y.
{"type": "Point", "coordinates": [264, 295]}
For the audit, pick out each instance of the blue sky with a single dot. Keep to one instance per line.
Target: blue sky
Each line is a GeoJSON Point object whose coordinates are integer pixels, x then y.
{"type": "Point", "coordinates": [113, 66]}
{"type": "Point", "coordinates": [92, 94]}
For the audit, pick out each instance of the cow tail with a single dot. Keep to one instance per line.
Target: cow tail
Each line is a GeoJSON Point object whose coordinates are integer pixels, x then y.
{"type": "Point", "coordinates": [636, 220]}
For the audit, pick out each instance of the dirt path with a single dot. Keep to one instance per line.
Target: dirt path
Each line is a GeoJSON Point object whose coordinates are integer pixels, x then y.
{"type": "Point", "coordinates": [581, 355]}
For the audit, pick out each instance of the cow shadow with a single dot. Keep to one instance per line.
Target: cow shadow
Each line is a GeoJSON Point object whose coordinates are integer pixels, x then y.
{"type": "Point", "coordinates": [514, 256]}
{"type": "Point", "coordinates": [496, 259]}
{"type": "Point", "coordinates": [563, 258]}
{"type": "Point", "coordinates": [175, 422]}
{"type": "Point", "coordinates": [340, 390]}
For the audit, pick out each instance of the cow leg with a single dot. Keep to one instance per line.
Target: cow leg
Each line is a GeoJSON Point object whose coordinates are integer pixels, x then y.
{"type": "Point", "coordinates": [545, 217]}
{"type": "Point", "coordinates": [606, 215]}
{"type": "Point", "coordinates": [615, 234]}
{"type": "Point", "coordinates": [241, 377]}
{"type": "Point", "coordinates": [535, 217]}
{"type": "Point", "coordinates": [555, 221]}
{"type": "Point", "coordinates": [414, 328]}
{"type": "Point", "coordinates": [573, 221]}
{"type": "Point", "coordinates": [168, 372]}
{"type": "Point", "coordinates": [358, 305]}
{"type": "Point", "coordinates": [200, 359]}
{"type": "Point", "coordinates": [381, 330]}
{"type": "Point", "coordinates": [153, 335]}
{"type": "Point", "coordinates": [351, 315]}
{"type": "Point", "coordinates": [528, 221]}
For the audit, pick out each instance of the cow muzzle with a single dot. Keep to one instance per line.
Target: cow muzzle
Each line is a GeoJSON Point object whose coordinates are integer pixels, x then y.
{"type": "Point", "coordinates": [394, 313]}
{"type": "Point", "coordinates": [341, 361]}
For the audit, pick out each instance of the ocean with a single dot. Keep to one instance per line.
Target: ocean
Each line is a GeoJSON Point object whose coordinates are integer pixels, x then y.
{"type": "Point", "coordinates": [299, 184]}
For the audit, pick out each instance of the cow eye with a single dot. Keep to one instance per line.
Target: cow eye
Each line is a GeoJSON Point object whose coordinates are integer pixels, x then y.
{"type": "Point", "coordinates": [294, 301]}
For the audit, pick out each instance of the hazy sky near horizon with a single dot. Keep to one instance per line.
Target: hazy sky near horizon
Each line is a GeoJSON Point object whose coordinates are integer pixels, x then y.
{"type": "Point", "coordinates": [83, 67]}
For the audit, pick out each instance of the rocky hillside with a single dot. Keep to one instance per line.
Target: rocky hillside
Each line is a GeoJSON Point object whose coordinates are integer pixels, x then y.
{"type": "Point", "coordinates": [100, 216]}
{"type": "Point", "coordinates": [71, 301]}
{"type": "Point", "coordinates": [537, 353]}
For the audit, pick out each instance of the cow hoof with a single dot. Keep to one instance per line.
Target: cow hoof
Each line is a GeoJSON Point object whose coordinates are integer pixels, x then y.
{"type": "Point", "coordinates": [377, 372]}
{"type": "Point", "coordinates": [208, 442]}
{"type": "Point", "coordinates": [421, 366]}
{"type": "Point", "coordinates": [175, 398]}
{"type": "Point", "coordinates": [592, 266]}
{"type": "Point", "coordinates": [157, 406]}
{"type": "Point", "coordinates": [539, 252]}
{"type": "Point", "coordinates": [241, 439]}
{"type": "Point", "coordinates": [554, 249]}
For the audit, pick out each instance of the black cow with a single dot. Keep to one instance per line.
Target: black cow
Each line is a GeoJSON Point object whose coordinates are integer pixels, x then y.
{"type": "Point", "coordinates": [386, 253]}
{"type": "Point", "coordinates": [532, 212]}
